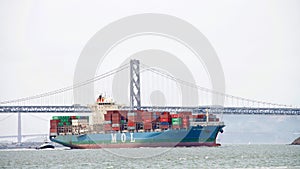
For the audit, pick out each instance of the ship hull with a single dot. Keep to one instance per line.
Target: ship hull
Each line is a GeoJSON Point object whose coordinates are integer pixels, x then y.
{"type": "Point", "coordinates": [194, 136]}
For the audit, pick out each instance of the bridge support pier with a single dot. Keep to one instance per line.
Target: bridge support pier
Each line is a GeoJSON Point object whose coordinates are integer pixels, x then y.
{"type": "Point", "coordinates": [19, 129]}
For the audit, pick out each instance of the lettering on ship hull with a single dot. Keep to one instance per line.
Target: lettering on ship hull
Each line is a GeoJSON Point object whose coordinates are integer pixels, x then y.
{"type": "Point", "coordinates": [123, 138]}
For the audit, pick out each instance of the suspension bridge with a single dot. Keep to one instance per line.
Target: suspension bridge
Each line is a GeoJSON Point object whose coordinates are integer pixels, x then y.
{"type": "Point", "coordinates": [62, 100]}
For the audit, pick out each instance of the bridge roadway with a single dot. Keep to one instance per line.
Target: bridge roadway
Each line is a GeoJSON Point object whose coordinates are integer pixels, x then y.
{"type": "Point", "coordinates": [25, 135]}
{"type": "Point", "coordinates": [211, 109]}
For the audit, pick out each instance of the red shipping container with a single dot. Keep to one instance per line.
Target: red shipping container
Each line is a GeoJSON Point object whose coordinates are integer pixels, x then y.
{"type": "Point", "coordinates": [115, 121]}
{"type": "Point", "coordinates": [110, 112]}
{"type": "Point", "coordinates": [166, 113]}
{"type": "Point", "coordinates": [54, 123]}
{"type": "Point", "coordinates": [174, 115]}
{"type": "Point", "coordinates": [185, 126]}
{"type": "Point", "coordinates": [165, 120]}
{"type": "Point", "coordinates": [115, 116]}
{"type": "Point", "coordinates": [53, 130]}
{"type": "Point", "coordinates": [116, 128]}
{"type": "Point", "coordinates": [107, 117]}
{"type": "Point", "coordinates": [147, 126]}
{"type": "Point", "coordinates": [211, 119]}
{"type": "Point", "coordinates": [185, 119]}
{"type": "Point", "coordinates": [185, 122]}
{"type": "Point", "coordinates": [131, 123]}
{"type": "Point", "coordinates": [147, 121]}
{"type": "Point", "coordinates": [185, 113]}
{"type": "Point", "coordinates": [200, 116]}
{"type": "Point", "coordinates": [132, 118]}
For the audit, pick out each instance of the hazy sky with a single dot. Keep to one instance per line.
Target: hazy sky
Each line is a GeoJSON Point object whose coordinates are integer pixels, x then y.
{"type": "Point", "coordinates": [257, 43]}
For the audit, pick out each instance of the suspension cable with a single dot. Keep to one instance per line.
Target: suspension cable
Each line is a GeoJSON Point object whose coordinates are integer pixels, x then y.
{"type": "Point", "coordinates": [71, 87]}
{"type": "Point", "coordinates": [156, 71]}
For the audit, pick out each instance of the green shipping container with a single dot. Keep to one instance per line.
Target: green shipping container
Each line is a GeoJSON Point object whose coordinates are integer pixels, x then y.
{"type": "Point", "coordinates": [55, 118]}
{"type": "Point", "coordinates": [62, 123]}
{"type": "Point", "coordinates": [176, 121]}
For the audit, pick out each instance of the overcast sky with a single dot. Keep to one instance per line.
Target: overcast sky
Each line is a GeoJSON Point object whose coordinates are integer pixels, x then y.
{"type": "Point", "coordinates": [257, 43]}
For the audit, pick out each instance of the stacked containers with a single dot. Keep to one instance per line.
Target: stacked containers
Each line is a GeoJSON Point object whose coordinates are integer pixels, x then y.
{"type": "Point", "coordinates": [156, 116]}
{"type": "Point", "coordinates": [64, 124]}
{"type": "Point", "coordinates": [156, 120]}
{"type": "Point", "coordinates": [123, 123]}
{"type": "Point", "coordinates": [198, 118]}
{"type": "Point", "coordinates": [53, 126]}
{"type": "Point", "coordinates": [64, 120]}
{"type": "Point", "coordinates": [176, 121]}
{"type": "Point", "coordinates": [147, 120]}
{"type": "Point", "coordinates": [212, 117]}
{"type": "Point", "coordinates": [185, 122]}
{"type": "Point", "coordinates": [83, 121]}
{"type": "Point", "coordinates": [107, 121]}
{"type": "Point", "coordinates": [116, 117]}
{"type": "Point", "coordinates": [68, 124]}
{"type": "Point", "coordinates": [165, 120]}
{"type": "Point", "coordinates": [185, 119]}
{"type": "Point", "coordinates": [139, 114]}
{"type": "Point", "coordinates": [132, 118]}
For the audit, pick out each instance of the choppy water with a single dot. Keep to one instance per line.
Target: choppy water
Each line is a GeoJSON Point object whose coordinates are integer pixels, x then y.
{"type": "Point", "coordinates": [226, 156]}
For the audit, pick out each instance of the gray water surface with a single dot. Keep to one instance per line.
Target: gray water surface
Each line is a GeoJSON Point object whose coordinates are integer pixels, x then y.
{"type": "Point", "coordinates": [226, 156]}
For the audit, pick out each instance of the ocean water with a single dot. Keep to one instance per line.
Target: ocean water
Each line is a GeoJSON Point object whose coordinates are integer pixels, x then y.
{"type": "Point", "coordinates": [225, 156]}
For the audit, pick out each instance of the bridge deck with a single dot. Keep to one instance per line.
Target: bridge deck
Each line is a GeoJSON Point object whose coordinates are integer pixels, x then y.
{"type": "Point", "coordinates": [215, 110]}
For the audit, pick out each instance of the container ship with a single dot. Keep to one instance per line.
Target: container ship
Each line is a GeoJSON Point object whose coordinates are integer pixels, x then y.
{"type": "Point", "coordinates": [110, 126]}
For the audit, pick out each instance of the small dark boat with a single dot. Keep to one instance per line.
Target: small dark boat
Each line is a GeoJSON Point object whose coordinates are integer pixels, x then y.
{"type": "Point", "coordinates": [46, 145]}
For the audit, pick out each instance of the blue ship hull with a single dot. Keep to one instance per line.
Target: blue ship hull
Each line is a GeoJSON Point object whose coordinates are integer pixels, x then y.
{"type": "Point", "coordinates": [194, 136]}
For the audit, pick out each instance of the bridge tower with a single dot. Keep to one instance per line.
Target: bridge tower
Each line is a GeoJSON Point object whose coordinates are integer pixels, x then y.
{"type": "Point", "coordinates": [135, 94]}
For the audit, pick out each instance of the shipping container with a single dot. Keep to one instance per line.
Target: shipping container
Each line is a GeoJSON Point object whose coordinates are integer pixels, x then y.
{"type": "Point", "coordinates": [164, 126]}
{"type": "Point", "coordinates": [131, 114]}
{"type": "Point", "coordinates": [131, 127]}
{"type": "Point", "coordinates": [166, 113]}
{"type": "Point", "coordinates": [116, 128]}
{"type": "Point", "coordinates": [123, 114]}
{"type": "Point", "coordinates": [185, 113]}
{"type": "Point", "coordinates": [107, 127]}
{"type": "Point", "coordinates": [174, 115]}
{"type": "Point", "coordinates": [107, 122]}
{"type": "Point", "coordinates": [107, 117]}
{"type": "Point", "coordinates": [52, 131]}
{"type": "Point", "coordinates": [131, 123]}
{"type": "Point", "coordinates": [115, 125]}
{"type": "Point", "coordinates": [132, 118]}
{"type": "Point", "coordinates": [156, 116]}
{"type": "Point", "coordinates": [164, 120]}
{"type": "Point", "coordinates": [147, 126]}
{"type": "Point", "coordinates": [147, 121]}
{"type": "Point", "coordinates": [55, 118]}
{"type": "Point", "coordinates": [164, 123]}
